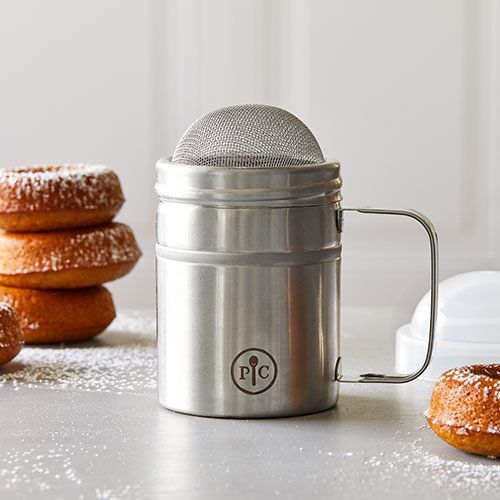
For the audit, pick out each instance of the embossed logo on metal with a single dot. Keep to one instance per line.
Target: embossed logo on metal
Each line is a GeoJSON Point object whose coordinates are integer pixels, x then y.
{"type": "Point", "coordinates": [254, 371]}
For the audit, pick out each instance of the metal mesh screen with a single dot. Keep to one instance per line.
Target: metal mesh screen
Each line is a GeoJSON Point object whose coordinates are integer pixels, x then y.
{"type": "Point", "coordinates": [248, 136]}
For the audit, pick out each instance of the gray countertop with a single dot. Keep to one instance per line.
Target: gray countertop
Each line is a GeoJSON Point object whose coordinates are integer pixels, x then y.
{"type": "Point", "coordinates": [83, 422]}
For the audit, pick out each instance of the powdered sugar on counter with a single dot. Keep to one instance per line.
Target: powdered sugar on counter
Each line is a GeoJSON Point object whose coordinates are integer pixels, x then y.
{"type": "Point", "coordinates": [83, 421]}
{"type": "Point", "coordinates": [122, 360]}
{"type": "Point", "coordinates": [472, 475]}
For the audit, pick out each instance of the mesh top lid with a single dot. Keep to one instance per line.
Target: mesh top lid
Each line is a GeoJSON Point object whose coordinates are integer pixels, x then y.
{"type": "Point", "coordinates": [248, 136]}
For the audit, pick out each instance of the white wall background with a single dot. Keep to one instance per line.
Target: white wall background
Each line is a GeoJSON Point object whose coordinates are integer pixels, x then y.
{"type": "Point", "coordinates": [403, 93]}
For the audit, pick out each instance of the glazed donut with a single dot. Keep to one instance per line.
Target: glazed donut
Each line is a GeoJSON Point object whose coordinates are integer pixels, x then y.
{"type": "Point", "coordinates": [67, 259]}
{"type": "Point", "coordinates": [11, 335]}
{"type": "Point", "coordinates": [49, 316]}
{"type": "Point", "coordinates": [48, 197]}
{"type": "Point", "coordinates": [465, 409]}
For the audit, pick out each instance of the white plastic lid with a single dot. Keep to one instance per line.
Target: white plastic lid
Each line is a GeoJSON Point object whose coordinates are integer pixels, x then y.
{"type": "Point", "coordinates": [467, 329]}
{"type": "Point", "coordinates": [469, 309]}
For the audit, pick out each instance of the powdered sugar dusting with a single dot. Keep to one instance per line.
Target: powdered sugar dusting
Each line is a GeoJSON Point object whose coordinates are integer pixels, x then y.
{"type": "Point", "coordinates": [465, 476]}
{"type": "Point", "coordinates": [66, 459]}
{"type": "Point", "coordinates": [57, 463]}
{"type": "Point", "coordinates": [123, 361]}
{"type": "Point", "coordinates": [82, 443]}
{"type": "Point", "coordinates": [80, 248]}
{"type": "Point", "coordinates": [64, 186]}
{"type": "Point", "coordinates": [475, 375]}
{"type": "Point", "coordinates": [100, 246]}
{"type": "Point", "coordinates": [467, 399]}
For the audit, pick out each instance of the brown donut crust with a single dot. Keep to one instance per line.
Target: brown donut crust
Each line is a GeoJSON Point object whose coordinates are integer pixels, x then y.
{"type": "Point", "coordinates": [464, 409]}
{"type": "Point", "coordinates": [477, 443]}
{"type": "Point", "coordinates": [56, 219]}
{"type": "Point", "coordinates": [11, 334]}
{"type": "Point", "coordinates": [54, 316]}
{"type": "Point", "coordinates": [53, 197]}
{"type": "Point", "coordinates": [75, 258]}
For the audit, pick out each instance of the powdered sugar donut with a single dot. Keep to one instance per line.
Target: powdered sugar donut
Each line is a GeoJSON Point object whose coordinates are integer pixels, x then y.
{"type": "Point", "coordinates": [465, 409]}
{"type": "Point", "coordinates": [47, 197]}
{"type": "Point", "coordinates": [67, 259]}
{"type": "Point", "coordinates": [11, 335]}
{"type": "Point", "coordinates": [48, 316]}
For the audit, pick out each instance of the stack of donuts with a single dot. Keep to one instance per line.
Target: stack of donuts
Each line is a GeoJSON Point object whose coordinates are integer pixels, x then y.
{"type": "Point", "coordinates": [59, 246]}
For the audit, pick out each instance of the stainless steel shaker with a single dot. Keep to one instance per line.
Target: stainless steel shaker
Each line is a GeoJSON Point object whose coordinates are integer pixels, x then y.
{"type": "Point", "coordinates": [248, 283]}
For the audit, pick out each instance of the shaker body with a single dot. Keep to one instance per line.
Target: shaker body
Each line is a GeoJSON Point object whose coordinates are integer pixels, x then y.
{"type": "Point", "coordinates": [286, 316]}
{"type": "Point", "coordinates": [248, 307]}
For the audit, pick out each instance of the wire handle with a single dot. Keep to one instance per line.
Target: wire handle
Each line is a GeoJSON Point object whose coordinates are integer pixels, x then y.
{"type": "Point", "coordinates": [433, 241]}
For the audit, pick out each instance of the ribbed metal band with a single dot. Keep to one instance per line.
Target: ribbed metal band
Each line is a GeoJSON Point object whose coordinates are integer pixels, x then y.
{"type": "Point", "coordinates": [316, 184]}
{"type": "Point", "coordinates": [249, 259]}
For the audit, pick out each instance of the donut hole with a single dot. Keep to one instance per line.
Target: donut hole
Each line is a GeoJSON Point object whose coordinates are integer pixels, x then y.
{"type": "Point", "coordinates": [490, 371]}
